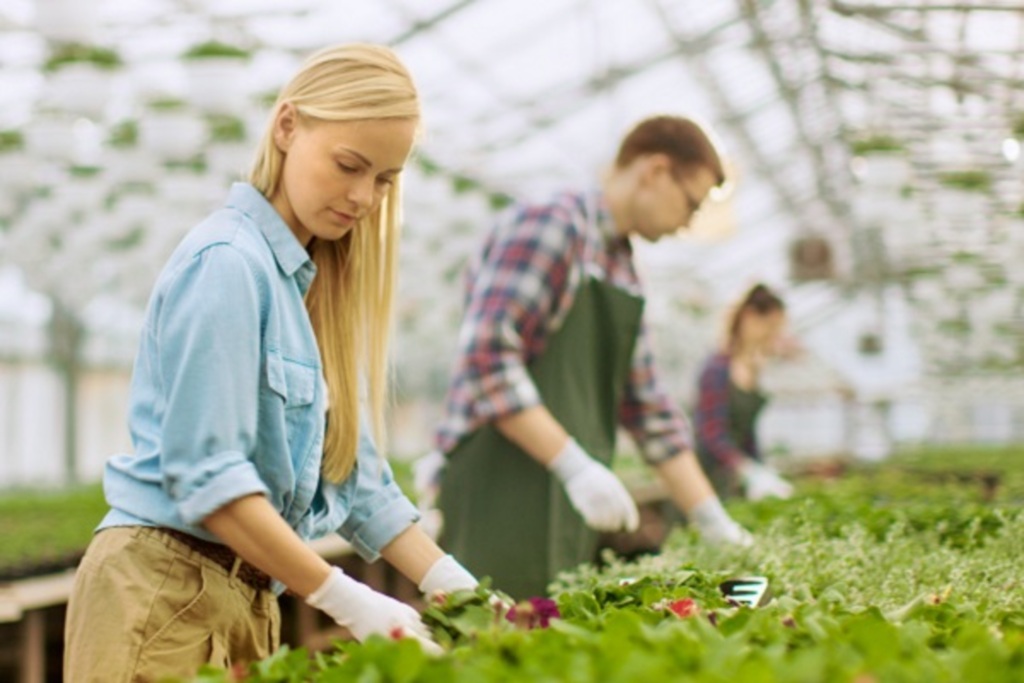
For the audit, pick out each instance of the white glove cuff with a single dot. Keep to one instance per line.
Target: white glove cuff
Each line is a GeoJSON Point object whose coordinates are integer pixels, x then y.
{"type": "Point", "coordinates": [447, 575]}
{"type": "Point", "coordinates": [709, 513]}
{"type": "Point", "coordinates": [316, 598]}
{"type": "Point", "coordinates": [570, 461]}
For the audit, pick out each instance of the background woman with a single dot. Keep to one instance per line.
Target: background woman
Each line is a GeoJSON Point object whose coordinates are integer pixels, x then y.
{"type": "Point", "coordinates": [730, 401]}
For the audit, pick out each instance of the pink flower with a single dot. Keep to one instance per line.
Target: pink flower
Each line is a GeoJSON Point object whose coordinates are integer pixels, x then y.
{"type": "Point", "coordinates": [533, 613]}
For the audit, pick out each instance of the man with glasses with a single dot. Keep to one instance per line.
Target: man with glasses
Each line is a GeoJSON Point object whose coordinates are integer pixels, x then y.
{"type": "Point", "coordinates": [553, 355]}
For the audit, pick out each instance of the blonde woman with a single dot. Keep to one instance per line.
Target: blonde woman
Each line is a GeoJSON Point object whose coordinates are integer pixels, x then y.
{"type": "Point", "coordinates": [245, 402]}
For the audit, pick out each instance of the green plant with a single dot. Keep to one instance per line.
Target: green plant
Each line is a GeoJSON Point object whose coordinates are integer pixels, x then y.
{"type": "Point", "coordinates": [84, 171]}
{"type": "Point", "coordinates": [215, 50]}
{"type": "Point", "coordinates": [124, 134]}
{"type": "Point", "coordinates": [11, 141]}
{"type": "Point", "coordinates": [876, 143]}
{"type": "Point", "coordinates": [1018, 127]}
{"type": "Point", "coordinates": [971, 180]}
{"type": "Point", "coordinates": [196, 165]}
{"type": "Point", "coordinates": [132, 239]}
{"type": "Point", "coordinates": [43, 527]}
{"type": "Point", "coordinates": [75, 53]}
{"type": "Point", "coordinates": [226, 129]}
{"type": "Point", "coordinates": [166, 104]}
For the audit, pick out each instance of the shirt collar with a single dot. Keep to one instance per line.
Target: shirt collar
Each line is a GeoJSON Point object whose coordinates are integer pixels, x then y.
{"type": "Point", "coordinates": [597, 199]}
{"type": "Point", "coordinates": [291, 257]}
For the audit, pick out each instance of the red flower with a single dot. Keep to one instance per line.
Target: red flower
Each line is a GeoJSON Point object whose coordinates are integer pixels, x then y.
{"type": "Point", "coordinates": [684, 608]}
{"type": "Point", "coordinates": [533, 613]}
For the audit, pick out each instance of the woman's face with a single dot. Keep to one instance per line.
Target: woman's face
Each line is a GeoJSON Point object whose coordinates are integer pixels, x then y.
{"type": "Point", "coordinates": [336, 172]}
{"type": "Point", "coordinates": [761, 330]}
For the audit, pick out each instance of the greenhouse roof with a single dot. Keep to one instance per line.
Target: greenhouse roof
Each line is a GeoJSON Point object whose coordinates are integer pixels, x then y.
{"type": "Point", "coordinates": [523, 98]}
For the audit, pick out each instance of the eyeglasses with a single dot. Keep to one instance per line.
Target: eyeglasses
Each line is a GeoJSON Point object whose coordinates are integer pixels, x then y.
{"type": "Point", "coordinates": [692, 203]}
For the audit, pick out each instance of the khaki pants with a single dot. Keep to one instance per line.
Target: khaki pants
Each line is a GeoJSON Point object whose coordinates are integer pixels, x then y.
{"type": "Point", "coordinates": [146, 607]}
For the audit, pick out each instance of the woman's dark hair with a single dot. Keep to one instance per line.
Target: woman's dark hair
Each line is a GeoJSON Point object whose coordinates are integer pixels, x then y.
{"type": "Point", "coordinates": [760, 300]}
{"type": "Point", "coordinates": [682, 140]}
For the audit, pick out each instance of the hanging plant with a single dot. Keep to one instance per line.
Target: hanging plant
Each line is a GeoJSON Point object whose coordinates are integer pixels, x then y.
{"type": "Point", "coordinates": [196, 164]}
{"type": "Point", "coordinates": [166, 104]}
{"type": "Point", "coordinates": [876, 143]}
{"type": "Point", "coordinates": [499, 200]}
{"type": "Point", "coordinates": [1018, 127]}
{"type": "Point", "coordinates": [74, 53]}
{"type": "Point", "coordinates": [84, 171]}
{"type": "Point", "coordinates": [11, 141]}
{"type": "Point", "coordinates": [124, 135]}
{"type": "Point", "coordinates": [226, 128]}
{"type": "Point", "coordinates": [970, 181]}
{"type": "Point", "coordinates": [215, 50]}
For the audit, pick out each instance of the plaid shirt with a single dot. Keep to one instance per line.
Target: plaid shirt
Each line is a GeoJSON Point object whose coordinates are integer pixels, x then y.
{"type": "Point", "coordinates": [711, 418]}
{"type": "Point", "coordinates": [518, 291]}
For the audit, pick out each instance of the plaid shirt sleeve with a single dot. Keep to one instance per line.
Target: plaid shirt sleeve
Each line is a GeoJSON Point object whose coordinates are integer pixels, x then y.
{"type": "Point", "coordinates": [712, 414]}
{"type": "Point", "coordinates": [515, 295]}
{"type": "Point", "coordinates": [648, 413]}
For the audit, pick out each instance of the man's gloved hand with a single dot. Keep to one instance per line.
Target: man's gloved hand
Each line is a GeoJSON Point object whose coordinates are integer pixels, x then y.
{"type": "Point", "coordinates": [594, 491]}
{"type": "Point", "coordinates": [716, 526]}
{"type": "Point", "coordinates": [447, 575]}
{"type": "Point", "coordinates": [364, 611]}
{"type": "Point", "coordinates": [761, 481]}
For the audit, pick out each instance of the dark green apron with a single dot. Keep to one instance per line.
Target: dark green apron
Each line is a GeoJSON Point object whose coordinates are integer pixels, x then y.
{"type": "Point", "coordinates": [505, 516]}
{"type": "Point", "coordinates": [744, 407]}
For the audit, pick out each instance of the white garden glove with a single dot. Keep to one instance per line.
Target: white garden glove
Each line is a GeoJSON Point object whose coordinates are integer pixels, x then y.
{"type": "Point", "coordinates": [594, 491]}
{"type": "Point", "coordinates": [364, 611]}
{"type": "Point", "coordinates": [761, 481]}
{"type": "Point", "coordinates": [716, 526]}
{"type": "Point", "coordinates": [445, 576]}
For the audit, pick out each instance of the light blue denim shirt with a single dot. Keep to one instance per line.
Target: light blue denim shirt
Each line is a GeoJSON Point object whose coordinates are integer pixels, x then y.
{"type": "Point", "coordinates": [227, 397]}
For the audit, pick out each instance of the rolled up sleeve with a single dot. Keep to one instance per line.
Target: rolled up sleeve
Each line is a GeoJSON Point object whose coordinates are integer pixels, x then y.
{"type": "Point", "coordinates": [519, 285]}
{"type": "Point", "coordinates": [380, 510]}
{"type": "Point", "coordinates": [208, 334]}
{"type": "Point", "coordinates": [648, 413]}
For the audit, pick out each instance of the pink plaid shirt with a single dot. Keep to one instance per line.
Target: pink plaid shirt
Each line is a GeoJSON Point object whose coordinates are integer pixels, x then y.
{"type": "Point", "coordinates": [518, 291]}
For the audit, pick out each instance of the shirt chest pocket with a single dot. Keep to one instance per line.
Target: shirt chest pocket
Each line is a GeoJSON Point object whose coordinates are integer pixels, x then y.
{"type": "Point", "coordinates": [292, 381]}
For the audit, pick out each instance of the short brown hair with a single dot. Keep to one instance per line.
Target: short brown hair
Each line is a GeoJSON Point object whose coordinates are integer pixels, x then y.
{"type": "Point", "coordinates": [681, 139]}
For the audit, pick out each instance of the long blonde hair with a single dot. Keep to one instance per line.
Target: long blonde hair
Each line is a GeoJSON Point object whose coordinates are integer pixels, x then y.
{"type": "Point", "coordinates": [350, 300]}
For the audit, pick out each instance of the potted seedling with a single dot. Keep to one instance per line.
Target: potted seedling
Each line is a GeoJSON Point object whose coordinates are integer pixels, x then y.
{"type": "Point", "coordinates": [886, 166]}
{"type": "Point", "coordinates": [216, 74]}
{"type": "Point", "coordinates": [126, 160]}
{"type": "Point", "coordinates": [17, 167]}
{"type": "Point", "coordinates": [227, 151]}
{"type": "Point", "coordinates": [962, 203]}
{"type": "Point", "coordinates": [85, 190]}
{"type": "Point", "coordinates": [80, 78]}
{"type": "Point", "coordinates": [1018, 127]}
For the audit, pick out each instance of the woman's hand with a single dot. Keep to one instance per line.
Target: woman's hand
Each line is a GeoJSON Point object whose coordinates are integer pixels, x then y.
{"type": "Point", "coordinates": [364, 611]}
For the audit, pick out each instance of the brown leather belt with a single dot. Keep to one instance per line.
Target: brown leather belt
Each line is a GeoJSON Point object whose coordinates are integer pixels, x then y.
{"type": "Point", "coordinates": [225, 557]}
